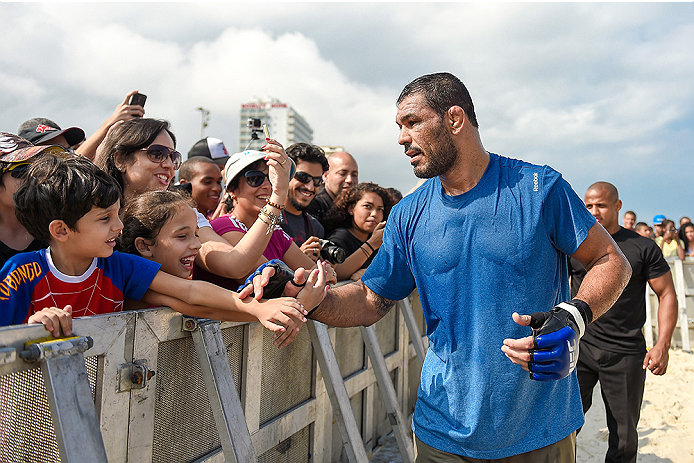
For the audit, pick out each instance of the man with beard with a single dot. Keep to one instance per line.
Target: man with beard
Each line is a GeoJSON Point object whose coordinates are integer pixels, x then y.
{"type": "Point", "coordinates": [305, 229]}
{"type": "Point", "coordinates": [613, 350]}
{"type": "Point", "coordinates": [484, 240]}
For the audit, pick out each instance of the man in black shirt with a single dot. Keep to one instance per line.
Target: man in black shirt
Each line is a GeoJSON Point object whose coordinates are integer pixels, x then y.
{"type": "Point", "coordinates": [613, 349]}
{"type": "Point", "coordinates": [343, 173]}
{"type": "Point", "coordinates": [305, 229]}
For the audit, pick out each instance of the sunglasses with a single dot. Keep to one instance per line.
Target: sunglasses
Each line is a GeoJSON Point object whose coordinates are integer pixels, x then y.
{"type": "Point", "coordinates": [159, 153]}
{"type": "Point", "coordinates": [255, 178]}
{"type": "Point", "coordinates": [304, 178]}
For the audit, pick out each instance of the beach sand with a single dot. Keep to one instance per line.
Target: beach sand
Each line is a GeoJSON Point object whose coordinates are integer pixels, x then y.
{"type": "Point", "coordinates": [666, 427]}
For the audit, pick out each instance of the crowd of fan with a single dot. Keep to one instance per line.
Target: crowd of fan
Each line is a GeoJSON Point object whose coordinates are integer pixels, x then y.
{"type": "Point", "coordinates": [225, 217]}
{"type": "Point", "coordinates": [673, 241]}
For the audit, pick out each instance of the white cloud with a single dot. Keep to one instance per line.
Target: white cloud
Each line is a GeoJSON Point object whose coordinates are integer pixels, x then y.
{"type": "Point", "coordinates": [596, 90]}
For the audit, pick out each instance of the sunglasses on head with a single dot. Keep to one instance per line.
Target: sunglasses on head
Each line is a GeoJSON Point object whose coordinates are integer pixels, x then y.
{"type": "Point", "coordinates": [255, 178]}
{"type": "Point", "coordinates": [304, 178]}
{"type": "Point", "coordinates": [159, 153]}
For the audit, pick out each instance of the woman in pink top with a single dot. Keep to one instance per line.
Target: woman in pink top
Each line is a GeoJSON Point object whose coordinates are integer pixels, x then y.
{"type": "Point", "coordinates": [254, 202]}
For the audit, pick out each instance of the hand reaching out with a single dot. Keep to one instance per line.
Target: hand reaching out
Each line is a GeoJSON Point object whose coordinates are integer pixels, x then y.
{"type": "Point", "coordinates": [315, 289]}
{"type": "Point", "coordinates": [284, 316]}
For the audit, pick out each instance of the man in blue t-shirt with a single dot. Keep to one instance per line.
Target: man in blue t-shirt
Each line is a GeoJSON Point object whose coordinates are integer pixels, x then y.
{"type": "Point", "coordinates": [484, 240]}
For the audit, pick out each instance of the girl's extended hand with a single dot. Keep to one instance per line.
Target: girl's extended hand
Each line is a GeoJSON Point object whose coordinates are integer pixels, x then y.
{"type": "Point", "coordinates": [315, 290]}
{"type": "Point", "coordinates": [284, 316]}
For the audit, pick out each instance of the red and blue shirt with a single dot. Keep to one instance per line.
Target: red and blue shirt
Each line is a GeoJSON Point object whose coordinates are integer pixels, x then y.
{"type": "Point", "coordinates": [29, 282]}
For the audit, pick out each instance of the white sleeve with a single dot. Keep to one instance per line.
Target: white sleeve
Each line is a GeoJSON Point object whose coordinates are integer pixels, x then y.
{"type": "Point", "coordinates": [202, 220]}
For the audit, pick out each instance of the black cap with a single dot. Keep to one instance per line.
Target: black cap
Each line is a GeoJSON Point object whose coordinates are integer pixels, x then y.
{"type": "Point", "coordinates": [41, 130]}
{"type": "Point", "coordinates": [212, 148]}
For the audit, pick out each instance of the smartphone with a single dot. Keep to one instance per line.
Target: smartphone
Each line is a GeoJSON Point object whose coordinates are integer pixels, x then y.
{"type": "Point", "coordinates": [267, 132]}
{"type": "Point", "coordinates": [138, 99]}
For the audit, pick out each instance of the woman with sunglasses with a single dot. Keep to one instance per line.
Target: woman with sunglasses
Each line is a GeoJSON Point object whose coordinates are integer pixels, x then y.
{"type": "Point", "coordinates": [16, 155]}
{"type": "Point", "coordinates": [141, 155]}
{"type": "Point", "coordinates": [254, 203]}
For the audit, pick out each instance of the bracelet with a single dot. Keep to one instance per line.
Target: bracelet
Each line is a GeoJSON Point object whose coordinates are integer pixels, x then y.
{"type": "Point", "coordinates": [276, 206]}
{"type": "Point", "coordinates": [364, 251]}
{"type": "Point", "coordinates": [372, 248]}
{"type": "Point", "coordinates": [274, 220]}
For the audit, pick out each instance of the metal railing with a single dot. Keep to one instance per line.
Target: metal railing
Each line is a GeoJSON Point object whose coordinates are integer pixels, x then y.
{"type": "Point", "coordinates": [155, 386]}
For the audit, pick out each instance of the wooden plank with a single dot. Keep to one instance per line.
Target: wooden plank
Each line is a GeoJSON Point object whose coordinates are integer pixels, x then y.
{"type": "Point", "coordinates": [681, 289]}
{"type": "Point", "coordinates": [221, 390]}
{"type": "Point", "coordinates": [335, 386]}
{"type": "Point", "coordinates": [413, 329]}
{"type": "Point", "coordinates": [385, 385]}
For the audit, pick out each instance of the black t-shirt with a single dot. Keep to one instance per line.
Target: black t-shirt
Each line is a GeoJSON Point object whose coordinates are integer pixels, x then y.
{"type": "Point", "coordinates": [350, 243]}
{"type": "Point", "coordinates": [619, 330]}
{"type": "Point", "coordinates": [6, 252]}
{"type": "Point", "coordinates": [301, 227]}
{"type": "Point", "coordinates": [320, 205]}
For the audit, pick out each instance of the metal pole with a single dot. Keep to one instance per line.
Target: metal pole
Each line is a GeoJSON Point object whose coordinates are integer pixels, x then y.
{"type": "Point", "coordinates": [205, 113]}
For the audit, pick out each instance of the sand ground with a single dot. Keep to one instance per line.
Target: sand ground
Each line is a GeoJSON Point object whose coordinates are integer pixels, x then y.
{"type": "Point", "coordinates": [666, 427]}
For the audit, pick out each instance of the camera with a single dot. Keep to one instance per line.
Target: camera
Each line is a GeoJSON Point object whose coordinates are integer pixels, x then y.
{"type": "Point", "coordinates": [255, 124]}
{"type": "Point", "coordinates": [332, 252]}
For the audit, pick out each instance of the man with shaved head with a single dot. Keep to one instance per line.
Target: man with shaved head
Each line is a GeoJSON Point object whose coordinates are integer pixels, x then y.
{"type": "Point", "coordinates": [613, 349]}
{"type": "Point", "coordinates": [342, 174]}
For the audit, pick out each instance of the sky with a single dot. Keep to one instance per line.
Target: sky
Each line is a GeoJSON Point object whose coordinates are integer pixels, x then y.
{"type": "Point", "coordinates": [600, 92]}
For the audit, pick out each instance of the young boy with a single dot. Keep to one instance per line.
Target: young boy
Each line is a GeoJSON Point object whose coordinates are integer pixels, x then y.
{"type": "Point", "coordinates": [73, 205]}
{"type": "Point", "coordinates": [205, 178]}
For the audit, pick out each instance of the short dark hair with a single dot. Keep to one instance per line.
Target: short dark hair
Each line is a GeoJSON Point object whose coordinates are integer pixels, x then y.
{"type": "Point", "coordinates": [441, 91]}
{"type": "Point", "coordinates": [187, 170]}
{"type": "Point", "coordinates": [395, 193]}
{"type": "Point", "coordinates": [308, 153]}
{"type": "Point", "coordinates": [125, 139]}
{"type": "Point", "coordinates": [146, 214]}
{"type": "Point", "coordinates": [630, 212]}
{"type": "Point", "coordinates": [62, 188]}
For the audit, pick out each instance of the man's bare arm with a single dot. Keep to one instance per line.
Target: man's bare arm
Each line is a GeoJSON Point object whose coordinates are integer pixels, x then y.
{"type": "Point", "coordinates": [608, 270]}
{"type": "Point", "coordinates": [353, 304]}
{"type": "Point", "coordinates": [658, 356]}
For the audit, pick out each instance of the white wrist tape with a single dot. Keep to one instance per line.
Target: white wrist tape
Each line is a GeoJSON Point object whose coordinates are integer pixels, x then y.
{"type": "Point", "coordinates": [577, 316]}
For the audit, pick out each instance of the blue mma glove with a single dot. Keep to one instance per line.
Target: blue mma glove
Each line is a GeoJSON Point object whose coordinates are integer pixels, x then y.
{"type": "Point", "coordinates": [556, 335]}
{"type": "Point", "coordinates": [275, 286]}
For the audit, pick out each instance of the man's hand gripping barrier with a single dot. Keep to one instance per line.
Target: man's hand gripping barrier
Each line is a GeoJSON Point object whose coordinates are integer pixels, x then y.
{"type": "Point", "coordinates": [556, 336]}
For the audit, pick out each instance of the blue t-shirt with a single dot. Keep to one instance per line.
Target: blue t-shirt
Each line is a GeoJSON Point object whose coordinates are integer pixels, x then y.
{"type": "Point", "coordinates": [29, 282]}
{"type": "Point", "coordinates": [476, 258]}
